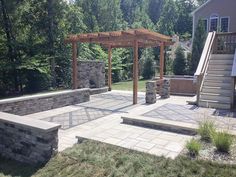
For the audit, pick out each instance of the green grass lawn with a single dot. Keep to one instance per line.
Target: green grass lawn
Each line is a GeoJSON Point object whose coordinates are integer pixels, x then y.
{"type": "Point", "coordinates": [128, 86]}
{"type": "Point", "coordinates": [97, 159]}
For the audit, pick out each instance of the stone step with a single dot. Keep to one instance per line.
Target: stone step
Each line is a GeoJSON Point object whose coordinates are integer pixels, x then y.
{"type": "Point", "coordinates": [216, 97]}
{"type": "Point", "coordinates": [213, 83]}
{"type": "Point", "coordinates": [221, 62]}
{"type": "Point", "coordinates": [220, 72]}
{"type": "Point", "coordinates": [226, 67]}
{"type": "Point", "coordinates": [160, 124]}
{"type": "Point", "coordinates": [217, 78]}
{"type": "Point", "coordinates": [222, 57]}
{"type": "Point", "coordinates": [214, 104]}
{"type": "Point", "coordinates": [226, 90]}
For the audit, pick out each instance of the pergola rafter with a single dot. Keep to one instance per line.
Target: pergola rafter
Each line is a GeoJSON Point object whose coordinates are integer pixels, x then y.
{"type": "Point", "coordinates": [134, 38]}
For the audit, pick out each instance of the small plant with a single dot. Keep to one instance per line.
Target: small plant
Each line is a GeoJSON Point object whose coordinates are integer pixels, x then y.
{"type": "Point", "coordinates": [193, 147]}
{"type": "Point", "coordinates": [223, 141]}
{"type": "Point", "coordinates": [206, 130]}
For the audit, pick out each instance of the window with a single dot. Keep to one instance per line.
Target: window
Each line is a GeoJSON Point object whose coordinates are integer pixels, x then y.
{"type": "Point", "coordinates": [205, 23]}
{"type": "Point", "coordinates": [214, 23]}
{"type": "Point", "coordinates": [224, 24]}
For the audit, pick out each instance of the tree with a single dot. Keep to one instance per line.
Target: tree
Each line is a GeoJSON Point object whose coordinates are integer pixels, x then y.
{"type": "Point", "coordinates": [168, 18]}
{"type": "Point", "coordinates": [179, 66]}
{"type": "Point", "coordinates": [148, 70]}
{"type": "Point", "coordinates": [155, 9]}
{"type": "Point", "coordinates": [184, 21]}
{"type": "Point", "coordinates": [198, 45]}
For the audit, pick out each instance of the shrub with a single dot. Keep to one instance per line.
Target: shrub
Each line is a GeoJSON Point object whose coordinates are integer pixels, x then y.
{"type": "Point", "coordinates": [223, 141]}
{"type": "Point", "coordinates": [193, 147]}
{"type": "Point", "coordinates": [206, 130]}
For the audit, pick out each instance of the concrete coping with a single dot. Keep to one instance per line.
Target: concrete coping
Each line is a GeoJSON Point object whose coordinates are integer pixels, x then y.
{"type": "Point", "coordinates": [41, 95]}
{"type": "Point", "coordinates": [27, 122]}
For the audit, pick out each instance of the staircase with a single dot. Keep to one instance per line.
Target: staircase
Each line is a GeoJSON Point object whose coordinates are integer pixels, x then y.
{"type": "Point", "coordinates": [217, 85]}
{"type": "Point", "coordinates": [215, 72]}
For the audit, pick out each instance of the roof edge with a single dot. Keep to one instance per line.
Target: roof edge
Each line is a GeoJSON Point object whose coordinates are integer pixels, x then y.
{"type": "Point", "coordinates": [203, 5]}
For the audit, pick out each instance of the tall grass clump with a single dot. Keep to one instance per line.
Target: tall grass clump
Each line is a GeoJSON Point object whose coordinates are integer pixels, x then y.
{"type": "Point", "coordinates": [223, 141]}
{"type": "Point", "coordinates": [193, 147]}
{"type": "Point", "coordinates": [206, 130]}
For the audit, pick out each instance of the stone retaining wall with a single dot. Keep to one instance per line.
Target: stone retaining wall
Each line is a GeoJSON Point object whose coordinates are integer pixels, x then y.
{"type": "Point", "coordinates": [43, 102]}
{"type": "Point", "coordinates": [181, 86]}
{"type": "Point", "coordinates": [91, 74]}
{"type": "Point", "coordinates": [27, 140]}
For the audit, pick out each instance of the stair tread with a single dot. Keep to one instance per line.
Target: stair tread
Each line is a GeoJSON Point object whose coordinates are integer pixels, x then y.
{"type": "Point", "coordinates": [215, 101]}
{"type": "Point", "coordinates": [218, 87]}
{"type": "Point", "coordinates": [224, 95]}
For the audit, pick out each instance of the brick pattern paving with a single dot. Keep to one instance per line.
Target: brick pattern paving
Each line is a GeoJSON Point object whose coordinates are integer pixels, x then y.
{"type": "Point", "coordinates": [100, 105]}
{"type": "Point", "coordinates": [193, 114]}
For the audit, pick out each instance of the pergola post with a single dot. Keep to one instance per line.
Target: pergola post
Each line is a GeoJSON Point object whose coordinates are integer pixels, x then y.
{"type": "Point", "coordinates": [109, 68]}
{"type": "Point", "coordinates": [135, 73]}
{"type": "Point", "coordinates": [161, 61]}
{"type": "Point", "coordinates": [74, 66]}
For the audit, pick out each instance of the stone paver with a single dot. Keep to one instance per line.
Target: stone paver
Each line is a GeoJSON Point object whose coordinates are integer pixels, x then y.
{"type": "Point", "coordinates": [100, 120]}
{"type": "Point", "coordinates": [193, 115]}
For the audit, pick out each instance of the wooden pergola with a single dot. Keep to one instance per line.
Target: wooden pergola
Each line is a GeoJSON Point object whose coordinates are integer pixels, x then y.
{"type": "Point", "coordinates": [134, 38]}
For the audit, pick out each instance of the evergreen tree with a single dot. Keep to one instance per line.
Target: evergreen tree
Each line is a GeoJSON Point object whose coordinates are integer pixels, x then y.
{"type": "Point", "coordinates": [179, 66]}
{"type": "Point", "coordinates": [155, 9]}
{"type": "Point", "coordinates": [168, 18]}
{"type": "Point", "coordinates": [198, 45]}
{"type": "Point", "coordinates": [148, 70]}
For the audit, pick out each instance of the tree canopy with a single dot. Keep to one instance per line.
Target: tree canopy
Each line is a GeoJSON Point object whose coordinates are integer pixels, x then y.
{"type": "Point", "coordinates": [33, 56]}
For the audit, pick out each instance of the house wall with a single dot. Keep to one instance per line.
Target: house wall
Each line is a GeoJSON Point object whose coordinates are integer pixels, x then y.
{"type": "Point", "coordinates": [223, 8]}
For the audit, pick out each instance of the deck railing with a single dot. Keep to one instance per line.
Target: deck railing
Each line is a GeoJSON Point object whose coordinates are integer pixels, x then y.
{"type": "Point", "coordinates": [203, 63]}
{"type": "Point", "coordinates": [225, 43]}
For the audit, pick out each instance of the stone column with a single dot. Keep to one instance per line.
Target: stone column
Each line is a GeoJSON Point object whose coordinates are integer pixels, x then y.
{"type": "Point", "coordinates": [165, 89]}
{"type": "Point", "coordinates": [151, 87]}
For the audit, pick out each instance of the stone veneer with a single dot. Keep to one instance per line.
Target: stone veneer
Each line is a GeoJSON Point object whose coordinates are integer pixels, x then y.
{"type": "Point", "coordinates": [27, 140]}
{"type": "Point", "coordinates": [165, 89]}
{"type": "Point", "coordinates": [43, 102]}
{"type": "Point", "coordinates": [91, 74]}
{"type": "Point", "coordinates": [151, 87]}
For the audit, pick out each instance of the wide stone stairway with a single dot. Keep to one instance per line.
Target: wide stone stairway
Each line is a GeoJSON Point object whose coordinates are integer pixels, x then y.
{"type": "Point", "coordinates": [218, 84]}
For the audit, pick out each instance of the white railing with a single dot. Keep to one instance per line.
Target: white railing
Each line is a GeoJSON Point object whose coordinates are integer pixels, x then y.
{"type": "Point", "coordinates": [233, 73]}
{"type": "Point", "coordinates": [204, 61]}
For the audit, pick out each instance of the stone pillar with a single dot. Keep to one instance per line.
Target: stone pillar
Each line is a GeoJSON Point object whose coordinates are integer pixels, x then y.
{"type": "Point", "coordinates": [165, 89]}
{"type": "Point", "coordinates": [151, 97]}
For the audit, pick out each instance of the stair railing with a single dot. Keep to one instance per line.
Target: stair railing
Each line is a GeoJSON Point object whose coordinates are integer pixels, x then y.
{"type": "Point", "coordinates": [233, 75]}
{"type": "Point", "coordinates": [225, 43]}
{"type": "Point", "coordinates": [203, 63]}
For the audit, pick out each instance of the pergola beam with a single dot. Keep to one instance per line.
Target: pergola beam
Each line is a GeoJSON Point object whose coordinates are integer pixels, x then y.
{"type": "Point", "coordinates": [134, 38]}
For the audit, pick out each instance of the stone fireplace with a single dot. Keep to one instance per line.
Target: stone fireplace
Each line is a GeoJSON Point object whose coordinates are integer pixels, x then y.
{"type": "Point", "coordinates": [91, 74]}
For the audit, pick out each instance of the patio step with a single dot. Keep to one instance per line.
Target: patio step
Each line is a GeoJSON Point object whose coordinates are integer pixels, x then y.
{"type": "Point", "coordinates": [215, 97]}
{"type": "Point", "coordinates": [226, 67]}
{"type": "Point", "coordinates": [219, 71]}
{"type": "Point", "coordinates": [223, 84]}
{"type": "Point", "coordinates": [161, 124]}
{"type": "Point", "coordinates": [214, 104]}
{"type": "Point", "coordinates": [222, 56]}
{"type": "Point", "coordinates": [217, 87]}
{"type": "Point", "coordinates": [219, 90]}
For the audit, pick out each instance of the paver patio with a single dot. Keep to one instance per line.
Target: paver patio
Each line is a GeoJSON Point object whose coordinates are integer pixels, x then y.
{"type": "Point", "coordinates": [100, 119]}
